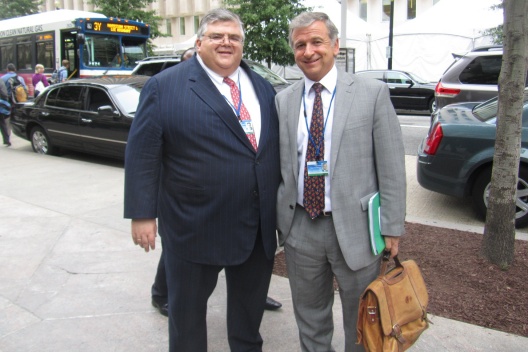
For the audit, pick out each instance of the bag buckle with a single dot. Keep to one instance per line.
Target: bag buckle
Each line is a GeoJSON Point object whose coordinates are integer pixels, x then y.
{"type": "Point", "coordinates": [397, 333]}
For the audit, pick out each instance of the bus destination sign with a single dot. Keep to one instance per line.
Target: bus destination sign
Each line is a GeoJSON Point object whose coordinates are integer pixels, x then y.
{"type": "Point", "coordinates": [99, 26]}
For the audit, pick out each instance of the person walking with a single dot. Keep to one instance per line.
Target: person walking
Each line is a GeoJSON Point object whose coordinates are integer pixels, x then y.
{"type": "Point", "coordinates": [39, 80]}
{"type": "Point", "coordinates": [202, 157]}
{"type": "Point", "coordinates": [5, 110]}
{"type": "Point", "coordinates": [340, 143]}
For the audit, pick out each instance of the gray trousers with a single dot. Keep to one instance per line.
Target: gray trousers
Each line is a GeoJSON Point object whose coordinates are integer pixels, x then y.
{"type": "Point", "coordinates": [313, 258]}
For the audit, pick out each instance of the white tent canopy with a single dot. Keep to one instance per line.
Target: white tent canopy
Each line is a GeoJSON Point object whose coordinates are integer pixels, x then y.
{"type": "Point", "coordinates": [425, 44]}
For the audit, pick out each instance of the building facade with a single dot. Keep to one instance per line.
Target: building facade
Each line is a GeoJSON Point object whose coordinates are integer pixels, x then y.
{"type": "Point", "coordinates": [181, 18]}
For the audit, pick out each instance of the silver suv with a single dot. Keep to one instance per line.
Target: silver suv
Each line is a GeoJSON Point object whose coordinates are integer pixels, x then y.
{"type": "Point", "coordinates": [471, 77]}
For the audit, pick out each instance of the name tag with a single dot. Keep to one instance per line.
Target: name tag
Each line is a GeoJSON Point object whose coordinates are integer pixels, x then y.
{"type": "Point", "coordinates": [247, 126]}
{"type": "Point", "coordinates": [317, 168]}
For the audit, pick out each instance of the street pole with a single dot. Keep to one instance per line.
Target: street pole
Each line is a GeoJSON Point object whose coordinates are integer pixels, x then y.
{"type": "Point", "coordinates": [342, 39]}
{"type": "Point", "coordinates": [391, 25]}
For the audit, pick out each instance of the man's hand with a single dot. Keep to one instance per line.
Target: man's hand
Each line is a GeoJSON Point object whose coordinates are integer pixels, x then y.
{"type": "Point", "coordinates": [144, 233]}
{"type": "Point", "coordinates": [391, 245]}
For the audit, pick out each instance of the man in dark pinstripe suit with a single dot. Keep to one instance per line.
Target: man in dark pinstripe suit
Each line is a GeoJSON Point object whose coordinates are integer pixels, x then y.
{"type": "Point", "coordinates": [210, 178]}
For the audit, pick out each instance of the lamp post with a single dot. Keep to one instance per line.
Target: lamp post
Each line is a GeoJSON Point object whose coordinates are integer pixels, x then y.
{"type": "Point", "coordinates": [391, 24]}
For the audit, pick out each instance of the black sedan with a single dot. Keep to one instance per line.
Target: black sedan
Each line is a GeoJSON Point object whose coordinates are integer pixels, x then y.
{"type": "Point", "coordinates": [87, 115]}
{"type": "Point", "coordinates": [456, 156]}
{"type": "Point", "coordinates": [407, 91]}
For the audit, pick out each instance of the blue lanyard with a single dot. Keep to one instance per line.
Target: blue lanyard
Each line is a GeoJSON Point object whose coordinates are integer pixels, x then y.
{"type": "Point", "coordinates": [237, 111]}
{"type": "Point", "coordinates": [318, 145]}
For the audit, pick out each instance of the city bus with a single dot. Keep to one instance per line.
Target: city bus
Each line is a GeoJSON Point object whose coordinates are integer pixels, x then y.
{"type": "Point", "coordinates": [95, 45]}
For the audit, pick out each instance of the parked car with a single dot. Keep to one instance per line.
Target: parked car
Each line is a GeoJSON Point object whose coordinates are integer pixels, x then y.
{"type": "Point", "coordinates": [87, 115]}
{"type": "Point", "coordinates": [155, 64]}
{"type": "Point", "coordinates": [456, 156]}
{"type": "Point", "coordinates": [472, 77]}
{"type": "Point", "coordinates": [407, 90]}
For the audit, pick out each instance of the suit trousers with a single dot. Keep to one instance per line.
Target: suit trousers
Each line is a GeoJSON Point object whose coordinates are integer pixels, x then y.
{"type": "Point", "coordinates": [313, 258]}
{"type": "Point", "coordinates": [190, 286]}
{"type": "Point", "coordinates": [159, 287]}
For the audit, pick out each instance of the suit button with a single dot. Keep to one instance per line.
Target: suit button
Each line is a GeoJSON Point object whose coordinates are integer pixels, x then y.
{"type": "Point", "coordinates": [257, 162]}
{"type": "Point", "coordinates": [291, 206]}
{"type": "Point", "coordinates": [255, 193]}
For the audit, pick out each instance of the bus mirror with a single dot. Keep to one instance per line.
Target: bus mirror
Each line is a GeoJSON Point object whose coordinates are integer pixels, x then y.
{"type": "Point", "coordinates": [80, 38]}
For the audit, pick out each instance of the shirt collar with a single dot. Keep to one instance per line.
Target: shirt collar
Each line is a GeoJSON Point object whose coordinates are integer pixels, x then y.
{"type": "Point", "coordinates": [329, 81]}
{"type": "Point", "coordinates": [215, 77]}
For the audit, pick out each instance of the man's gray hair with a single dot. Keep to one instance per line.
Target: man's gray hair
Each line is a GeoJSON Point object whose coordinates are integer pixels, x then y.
{"type": "Point", "coordinates": [218, 15]}
{"type": "Point", "coordinates": [306, 19]}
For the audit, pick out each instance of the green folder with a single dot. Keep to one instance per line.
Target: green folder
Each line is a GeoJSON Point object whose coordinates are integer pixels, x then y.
{"type": "Point", "coordinates": [377, 243]}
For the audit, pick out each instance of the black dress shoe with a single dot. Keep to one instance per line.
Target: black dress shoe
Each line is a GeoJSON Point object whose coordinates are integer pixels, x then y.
{"type": "Point", "coordinates": [161, 305]}
{"type": "Point", "coordinates": [272, 304]}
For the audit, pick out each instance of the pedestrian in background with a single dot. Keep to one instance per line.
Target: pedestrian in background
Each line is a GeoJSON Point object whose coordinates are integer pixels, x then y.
{"type": "Point", "coordinates": [5, 110]}
{"type": "Point", "coordinates": [39, 80]}
{"type": "Point", "coordinates": [344, 127]}
{"type": "Point", "coordinates": [202, 157]}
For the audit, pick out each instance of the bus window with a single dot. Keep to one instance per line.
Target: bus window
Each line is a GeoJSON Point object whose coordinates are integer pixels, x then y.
{"type": "Point", "coordinates": [134, 51]}
{"type": "Point", "coordinates": [45, 50]}
{"type": "Point", "coordinates": [23, 61]}
{"type": "Point", "coordinates": [7, 50]}
{"type": "Point", "coordinates": [100, 50]}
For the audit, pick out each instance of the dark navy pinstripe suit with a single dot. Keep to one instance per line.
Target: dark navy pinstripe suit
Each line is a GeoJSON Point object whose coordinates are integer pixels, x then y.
{"type": "Point", "coordinates": [190, 164]}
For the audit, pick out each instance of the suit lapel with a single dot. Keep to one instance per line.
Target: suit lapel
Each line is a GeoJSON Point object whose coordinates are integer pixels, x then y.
{"type": "Point", "coordinates": [293, 111]}
{"type": "Point", "coordinates": [344, 99]}
{"type": "Point", "coordinates": [209, 94]}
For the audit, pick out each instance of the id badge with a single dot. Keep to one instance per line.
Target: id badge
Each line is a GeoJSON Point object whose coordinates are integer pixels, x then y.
{"type": "Point", "coordinates": [247, 126]}
{"type": "Point", "coordinates": [317, 168]}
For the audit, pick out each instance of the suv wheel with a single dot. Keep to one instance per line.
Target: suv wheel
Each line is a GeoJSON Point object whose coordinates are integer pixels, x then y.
{"type": "Point", "coordinates": [481, 189]}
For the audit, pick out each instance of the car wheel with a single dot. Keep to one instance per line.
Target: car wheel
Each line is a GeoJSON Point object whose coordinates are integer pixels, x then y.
{"type": "Point", "coordinates": [40, 142]}
{"type": "Point", "coordinates": [432, 105]}
{"type": "Point", "coordinates": [481, 190]}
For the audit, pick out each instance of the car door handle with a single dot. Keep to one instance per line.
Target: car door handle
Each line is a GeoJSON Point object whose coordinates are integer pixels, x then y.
{"type": "Point", "coordinates": [44, 113]}
{"type": "Point", "coordinates": [87, 120]}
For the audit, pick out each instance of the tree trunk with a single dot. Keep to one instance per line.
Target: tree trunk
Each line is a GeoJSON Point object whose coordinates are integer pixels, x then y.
{"type": "Point", "coordinates": [499, 234]}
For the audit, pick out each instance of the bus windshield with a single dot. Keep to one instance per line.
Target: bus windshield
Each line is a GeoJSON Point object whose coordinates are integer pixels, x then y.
{"type": "Point", "coordinates": [100, 50]}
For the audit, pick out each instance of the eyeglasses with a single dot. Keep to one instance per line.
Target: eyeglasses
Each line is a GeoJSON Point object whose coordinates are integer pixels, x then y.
{"type": "Point", "coordinates": [218, 38]}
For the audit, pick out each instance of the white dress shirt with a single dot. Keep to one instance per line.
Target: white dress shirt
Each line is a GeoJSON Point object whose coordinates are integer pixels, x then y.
{"type": "Point", "coordinates": [249, 97]}
{"type": "Point", "coordinates": [329, 82]}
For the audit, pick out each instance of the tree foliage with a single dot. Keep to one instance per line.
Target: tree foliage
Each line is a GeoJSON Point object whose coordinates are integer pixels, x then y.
{"type": "Point", "coordinates": [132, 10]}
{"type": "Point", "coordinates": [17, 8]}
{"type": "Point", "coordinates": [495, 33]}
{"type": "Point", "coordinates": [266, 26]}
{"type": "Point", "coordinates": [499, 235]}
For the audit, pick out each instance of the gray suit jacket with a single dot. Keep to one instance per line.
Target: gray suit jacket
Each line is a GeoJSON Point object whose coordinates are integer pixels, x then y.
{"type": "Point", "coordinates": [367, 156]}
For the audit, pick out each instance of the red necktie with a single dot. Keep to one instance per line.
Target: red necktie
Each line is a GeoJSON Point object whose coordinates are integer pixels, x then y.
{"type": "Point", "coordinates": [244, 114]}
{"type": "Point", "coordinates": [314, 186]}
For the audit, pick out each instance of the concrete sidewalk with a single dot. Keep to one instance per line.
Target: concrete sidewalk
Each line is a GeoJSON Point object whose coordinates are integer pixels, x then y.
{"type": "Point", "coordinates": [72, 280]}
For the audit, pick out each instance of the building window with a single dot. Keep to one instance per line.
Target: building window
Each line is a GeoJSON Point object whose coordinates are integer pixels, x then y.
{"type": "Point", "coordinates": [182, 25]}
{"type": "Point", "coordinates": [385, 14]}
{"type": "Point", "coordinates": [411, 9]}
{"type": "Point", "coordinates": [168, 26]}
{"type": "Point", "coordinates": [196, 24]}
{"type": "Point", "coordinates": [363, 9]}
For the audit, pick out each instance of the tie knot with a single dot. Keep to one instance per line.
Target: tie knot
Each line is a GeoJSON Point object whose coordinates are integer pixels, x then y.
{"type": "Point", "coordinates": [229, 82]}
{"type": "Point", "coordinates": [317, 87]}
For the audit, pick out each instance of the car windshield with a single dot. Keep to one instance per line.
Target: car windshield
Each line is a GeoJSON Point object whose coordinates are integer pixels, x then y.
{"type": "Point", "coordinates": [266, 73]}
{"type": "Point", "coordinates": [128, 97]}
{"type": "Point", "coordinates": [488, 110]}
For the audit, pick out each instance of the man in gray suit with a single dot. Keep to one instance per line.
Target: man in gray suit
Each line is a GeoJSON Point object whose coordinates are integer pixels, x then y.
{"type": "Point", "coordinates": [340, 143]}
